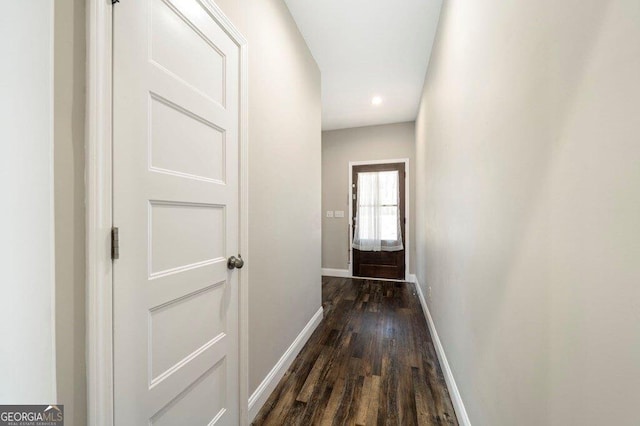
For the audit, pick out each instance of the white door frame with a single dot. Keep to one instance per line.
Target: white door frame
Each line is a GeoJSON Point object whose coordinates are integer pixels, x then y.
{"type": "Point", "coordinates": [99, 197]}
{"type": "Point", "coordinates": [407, 210]}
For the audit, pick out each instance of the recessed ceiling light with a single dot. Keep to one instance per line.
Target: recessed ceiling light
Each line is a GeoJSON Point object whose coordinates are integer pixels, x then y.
{"type": "Point", "coordinates": [377, 100]}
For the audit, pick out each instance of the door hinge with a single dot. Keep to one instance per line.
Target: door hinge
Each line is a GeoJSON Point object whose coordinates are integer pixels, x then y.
{"type": "Point", "coordinates": [115, 243]}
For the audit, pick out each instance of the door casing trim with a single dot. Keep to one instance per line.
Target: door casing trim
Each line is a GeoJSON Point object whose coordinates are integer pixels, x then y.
{"type": "Point", "coordinates": [407, 210]}
{"type": "Point", "coordinates": [98, 193]}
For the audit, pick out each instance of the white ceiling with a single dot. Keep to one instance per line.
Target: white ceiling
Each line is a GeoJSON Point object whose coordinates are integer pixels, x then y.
{"type": "Point", "coordinates": [368, 48]}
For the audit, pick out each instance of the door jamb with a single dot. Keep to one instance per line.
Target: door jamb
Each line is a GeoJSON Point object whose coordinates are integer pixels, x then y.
{"type": "Point", "coordinates": [407, 210]}
{"type": "Point", "coordinates": [98, 193]}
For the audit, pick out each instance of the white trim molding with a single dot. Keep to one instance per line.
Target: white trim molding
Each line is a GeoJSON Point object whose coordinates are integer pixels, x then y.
{"type": "Point", "coordinates": [407, 209]}
{"type": "Point", "coordinates": [344, 273]}
{"type": "Point", "coordinates": [98, 191]}
{"type": "Point", "coordinates": [456, 399]}
{"type": "Point", "coordinates": [99, 221]}
{"type": "Point", "coordinates": [261, 394]}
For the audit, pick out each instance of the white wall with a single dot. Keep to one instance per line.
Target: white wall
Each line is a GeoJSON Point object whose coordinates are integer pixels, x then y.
{"type": "Point", "coordinates": [69, 107]}
{"type": "Point", "coordinates": [528, 205]}
{"type": "Point", "coordinates": [236, 11]}
{"type": "Point", "coordinates": [339, 147]}
{"type": "Point", "coordinates": [284, 185]}
{"type": "Point", "coordinates": [27, 359]}
{"type": "Point", "coordinates": [594, 175]}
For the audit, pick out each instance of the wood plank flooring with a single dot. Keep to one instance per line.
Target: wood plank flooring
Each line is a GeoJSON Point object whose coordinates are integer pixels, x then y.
{"type": "Point", "coordinates": [370, 362]}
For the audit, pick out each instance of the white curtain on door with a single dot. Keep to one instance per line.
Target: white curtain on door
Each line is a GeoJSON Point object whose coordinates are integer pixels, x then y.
{"type": "Point", "coordinates": [378, 212]}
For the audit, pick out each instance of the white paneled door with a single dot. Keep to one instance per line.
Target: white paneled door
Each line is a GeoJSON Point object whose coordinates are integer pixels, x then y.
{"type": "Point", "coordinates": [175, 202]}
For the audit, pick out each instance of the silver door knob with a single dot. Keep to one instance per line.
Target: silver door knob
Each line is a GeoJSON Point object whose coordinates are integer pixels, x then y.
{"type": "Point", "coordinates": [235, 262]}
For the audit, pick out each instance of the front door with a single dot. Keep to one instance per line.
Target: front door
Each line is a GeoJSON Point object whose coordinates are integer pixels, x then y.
{"type": "Point", "coordinates": [175, 202]}
{"type": "Point", "coordinates": [379, 204]}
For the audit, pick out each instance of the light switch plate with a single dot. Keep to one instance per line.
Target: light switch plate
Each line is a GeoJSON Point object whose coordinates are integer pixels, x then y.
{"type": "Point", "coordinates": [339, 213]}
{"type": "Point", "coordinates": [329, 213]}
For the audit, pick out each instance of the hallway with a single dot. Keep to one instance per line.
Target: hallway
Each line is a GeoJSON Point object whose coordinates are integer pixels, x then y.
{"type": "Point", "coordinates": [212, 206]}
{"type": "Point", "coordinates": [371, 361]}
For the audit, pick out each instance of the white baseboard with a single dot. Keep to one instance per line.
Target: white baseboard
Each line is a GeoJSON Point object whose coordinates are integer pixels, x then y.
{"type": "Point", "coordinates": [342, 273]}
{"type": "Point", "coordinates": [261, 394]}
{"type": "Point", "coordinates": [456, 399]}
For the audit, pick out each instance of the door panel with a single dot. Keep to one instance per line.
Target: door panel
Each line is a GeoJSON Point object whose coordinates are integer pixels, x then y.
{"type": "Point", "coordinates": [201, 151]}
{"type": "Point", "coordinates": [172, 322]}
{"type": "Point", "coordinates": [380, 264]}
{"type": "Point", "coordinates": [172, 29]}
{"type": "Point", "coordinates": [182, 235]}
{"type": "Point", "coordinates": [175, 156]}
{"type": "Point", "coordinates": [205, 401]}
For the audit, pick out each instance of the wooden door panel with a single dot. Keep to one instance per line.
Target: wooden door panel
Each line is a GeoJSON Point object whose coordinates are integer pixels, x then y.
{"type": "Point", "coordinates": [380, 264]}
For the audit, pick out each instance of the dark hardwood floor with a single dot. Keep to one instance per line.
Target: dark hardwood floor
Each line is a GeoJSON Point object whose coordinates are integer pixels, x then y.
{"type": "Point", "coordinates": [370, 362]}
